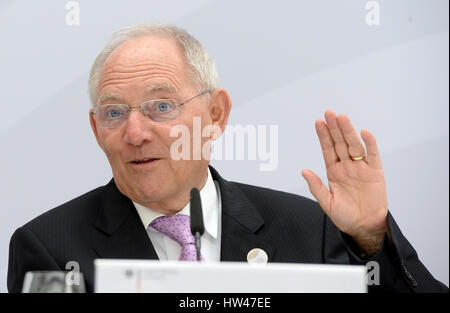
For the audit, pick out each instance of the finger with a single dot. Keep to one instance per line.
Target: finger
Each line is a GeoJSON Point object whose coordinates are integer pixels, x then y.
{"type": "Point", "coordinates": [355, 147]}
{"type": "Point", "coordinates": [340, 145]}
{"type": "Point", "coordinates": [318, 189]}
{"type": "Point", "coordinates": [326, 143]}
{"type": "Point", "coordinates": [373, 155]}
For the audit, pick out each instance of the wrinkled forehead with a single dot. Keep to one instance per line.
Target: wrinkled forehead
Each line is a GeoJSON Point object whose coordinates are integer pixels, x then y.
{"type": "Point", "coordinates": [141, 58]}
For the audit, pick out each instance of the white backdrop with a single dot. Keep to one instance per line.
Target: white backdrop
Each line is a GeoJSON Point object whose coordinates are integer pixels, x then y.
{"type": "Point", "coordinates": [283, 63]}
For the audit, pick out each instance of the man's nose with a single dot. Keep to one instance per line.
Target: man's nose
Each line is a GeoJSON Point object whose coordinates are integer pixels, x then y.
{"type": "Point", "coordinates": [138, 128]}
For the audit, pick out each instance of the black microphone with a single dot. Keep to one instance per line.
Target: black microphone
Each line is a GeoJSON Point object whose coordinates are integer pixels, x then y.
{"type": "Point", "coordinates": [197, 226]}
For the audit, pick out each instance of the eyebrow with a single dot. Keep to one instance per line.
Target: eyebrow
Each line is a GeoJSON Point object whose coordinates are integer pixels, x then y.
{"type": "Point", "coordinates": [108, 96]}
{"type": "Point", "coordinates": [148, 91]}
{"type": "Point", "coordinates": [164, 87]}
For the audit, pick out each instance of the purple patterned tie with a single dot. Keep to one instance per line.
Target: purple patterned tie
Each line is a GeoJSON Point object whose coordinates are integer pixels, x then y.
{"type": "Point", "coordinates": [177, 227]}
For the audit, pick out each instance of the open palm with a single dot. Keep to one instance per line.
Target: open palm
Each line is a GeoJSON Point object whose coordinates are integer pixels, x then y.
{"type": "Point", "coordinates": [356, 200]}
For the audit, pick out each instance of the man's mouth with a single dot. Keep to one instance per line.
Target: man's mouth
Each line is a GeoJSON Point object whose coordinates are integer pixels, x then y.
{"type": "Point", "coordinates": [143, 161]}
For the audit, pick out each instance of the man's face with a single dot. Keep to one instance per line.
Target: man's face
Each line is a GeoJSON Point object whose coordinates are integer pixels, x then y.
{"type": "Point", "coordinates": [142, 69]}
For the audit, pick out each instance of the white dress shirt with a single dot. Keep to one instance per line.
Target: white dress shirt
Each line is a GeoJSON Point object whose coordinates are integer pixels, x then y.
{"type": "Point", "coordinates": [168, 249]}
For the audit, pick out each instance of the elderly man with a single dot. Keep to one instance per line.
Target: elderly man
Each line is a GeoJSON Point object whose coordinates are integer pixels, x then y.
{"type": "Point", "coordinates": [151, 78]}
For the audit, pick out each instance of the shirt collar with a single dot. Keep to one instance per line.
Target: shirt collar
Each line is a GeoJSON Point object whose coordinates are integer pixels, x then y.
{"type": "Point", "coordinates": [210, 206]}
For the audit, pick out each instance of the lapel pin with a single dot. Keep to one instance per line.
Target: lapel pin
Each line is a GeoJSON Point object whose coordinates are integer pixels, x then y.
{"type": "Point", "coordinates": [257, 256]}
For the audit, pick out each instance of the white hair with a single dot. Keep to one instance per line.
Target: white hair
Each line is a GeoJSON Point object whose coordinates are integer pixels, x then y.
{"type": "Point", "coordinates": [199, 64]}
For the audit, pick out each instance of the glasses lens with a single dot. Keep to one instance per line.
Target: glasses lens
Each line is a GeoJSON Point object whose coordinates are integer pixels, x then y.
{"type": "Point", "coordinates": [111, 115]}
{"type": "Point", "coordinates": [161, 110]}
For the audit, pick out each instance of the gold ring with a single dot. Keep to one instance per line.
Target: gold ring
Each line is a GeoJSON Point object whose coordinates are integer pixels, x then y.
{"type": "Point", "coordinates": [358, 158]}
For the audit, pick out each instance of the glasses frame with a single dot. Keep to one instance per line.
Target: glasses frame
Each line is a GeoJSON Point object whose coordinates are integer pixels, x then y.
{"type": "Point", "coordinates": [141, 107]}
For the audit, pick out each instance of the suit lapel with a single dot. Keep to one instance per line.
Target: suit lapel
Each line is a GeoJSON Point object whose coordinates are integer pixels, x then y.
{"type": "Point", "coordinates": [119, 233]}
{"type": "Point", "coordinates": [242, 224]}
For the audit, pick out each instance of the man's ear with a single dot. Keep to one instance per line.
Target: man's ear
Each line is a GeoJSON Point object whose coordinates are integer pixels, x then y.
{"type": "Point", "coordinates": [94, 127]}
{"type": "Point", "coordinates": [219, 108]}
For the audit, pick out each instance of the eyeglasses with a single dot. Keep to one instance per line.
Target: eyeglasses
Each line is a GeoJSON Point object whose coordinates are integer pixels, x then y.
{"type": "Point", "coordinates": [158, 110]}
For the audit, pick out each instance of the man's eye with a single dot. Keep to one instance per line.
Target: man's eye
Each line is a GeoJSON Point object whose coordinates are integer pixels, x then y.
{"type": "Point", "coordinates": [114, 113]}
{"type": "Point", "coordinates": [163, 106]}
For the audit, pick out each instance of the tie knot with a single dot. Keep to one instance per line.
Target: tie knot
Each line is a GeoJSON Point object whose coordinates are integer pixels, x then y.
{"type": "Point", "coordinates": [176, 227]}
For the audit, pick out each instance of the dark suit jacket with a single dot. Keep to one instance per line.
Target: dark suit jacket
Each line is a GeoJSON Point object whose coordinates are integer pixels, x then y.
{"type": "Point", "coordinates": [103, 223]}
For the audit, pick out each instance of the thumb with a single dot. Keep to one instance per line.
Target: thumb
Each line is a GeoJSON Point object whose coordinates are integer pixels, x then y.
{"type": "Point", "coordinates": [318, 189]}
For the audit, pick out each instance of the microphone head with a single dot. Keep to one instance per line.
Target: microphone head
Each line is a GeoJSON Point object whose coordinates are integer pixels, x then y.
{"type": "Point", "coordinates": [196, 213]}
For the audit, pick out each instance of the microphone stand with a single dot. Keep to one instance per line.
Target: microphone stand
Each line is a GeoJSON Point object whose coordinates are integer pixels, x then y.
{"type": "Point", "coordinates": [198, 245]}
{"type": "Point", "coordinates": [197, 225]}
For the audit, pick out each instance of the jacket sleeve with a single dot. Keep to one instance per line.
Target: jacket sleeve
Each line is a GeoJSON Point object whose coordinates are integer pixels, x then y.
{"type": "Point", "coordinates": [26, 253]}
{"type": "Point", "coordinates": [399, 265]}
